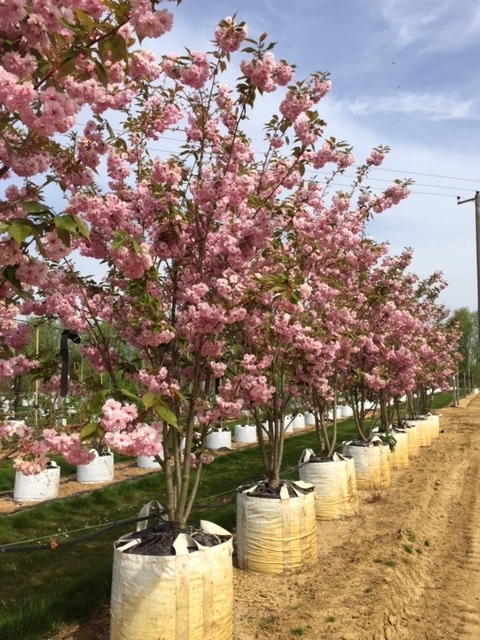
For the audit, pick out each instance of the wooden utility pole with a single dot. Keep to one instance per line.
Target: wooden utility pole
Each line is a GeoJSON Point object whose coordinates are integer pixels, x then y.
{"type": "Point", "coordinates": [476, 199]}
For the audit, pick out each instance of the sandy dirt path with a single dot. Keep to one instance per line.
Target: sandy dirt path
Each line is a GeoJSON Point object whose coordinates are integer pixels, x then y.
{"type": "Point", "coordinates": [406, 568]}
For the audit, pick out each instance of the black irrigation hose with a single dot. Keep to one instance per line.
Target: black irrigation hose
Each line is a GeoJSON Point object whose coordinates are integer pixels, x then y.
{"type": "Point", "coordinates": [89, 536]}
{"type": "Point", "coordinates": [120, 523]}
{"type": "Point", "coordinates": [69, 543]}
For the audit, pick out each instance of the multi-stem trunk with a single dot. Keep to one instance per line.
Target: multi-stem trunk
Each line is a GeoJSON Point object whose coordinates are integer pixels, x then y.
{"type": "Point", "coordinates": [181, 481]}
{"type": "Point", "coordinates": [327, 440]}
{"type": "Point", "coordinates": [357, 402]}
{"type": "Point", "coordinates": [384, 416]}
{"type": "Point", "coordinates": [272, 452]}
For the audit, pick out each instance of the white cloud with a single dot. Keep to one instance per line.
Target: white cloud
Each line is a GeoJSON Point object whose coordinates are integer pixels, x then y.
{"type": "Point", "coordinates": [434, 106]}
{"type": "Point", "coordinates": [434, 25]}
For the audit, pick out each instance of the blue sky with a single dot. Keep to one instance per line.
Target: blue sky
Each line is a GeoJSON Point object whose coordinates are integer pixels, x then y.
{"type": "Point", "coordinates": [405, 74]}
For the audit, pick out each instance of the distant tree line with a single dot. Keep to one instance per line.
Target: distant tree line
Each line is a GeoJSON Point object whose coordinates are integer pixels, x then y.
{"type": "Point", "coordinates": [469, 345]}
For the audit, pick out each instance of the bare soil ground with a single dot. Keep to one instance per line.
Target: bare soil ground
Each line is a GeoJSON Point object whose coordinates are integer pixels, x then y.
{"type": "Point", "coordinates": [406, 568]}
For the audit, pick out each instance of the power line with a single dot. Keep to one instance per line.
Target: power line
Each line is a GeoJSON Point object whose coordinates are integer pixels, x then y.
{"type": "Point", "coordinates": [396, 171]}
{"type": "Point", "coordinates": [429, 175]}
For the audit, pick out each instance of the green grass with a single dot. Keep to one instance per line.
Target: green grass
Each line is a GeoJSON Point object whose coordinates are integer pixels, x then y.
{"type": "Point", "coordinates": [298, 631]}
{"type": "Point", "coordinates": [387, 563]}
{"type": "Point", "coordinates": [41, 589]}
{"type": "Point", "coordinates": [267, 623]}
{"type": "Point", "coordinates": [411, 537]}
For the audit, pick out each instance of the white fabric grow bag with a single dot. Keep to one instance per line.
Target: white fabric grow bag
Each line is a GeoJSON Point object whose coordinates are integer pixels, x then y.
{"type": "Point", "coordinates": [434, 422]}
{"type": "Point", "coordinates": [38, 487]}
{"type": "Point", "coordinates": [399, 456]}
{"type": "Point", "coordinates": [338, 414]}
{"type": "Point", "coordinates": [346, 411]}
{"type": "Point", "coordinates": [413, 446]}
{"type": "Point", "coordinates": [245, 433]}
{"type": "Point", "coordinates": [188, 596]}
{"type": "Point", "coordinates": [276, 535]}
{"type": "Point", "coordinates": [372, 463]}
{"type": "Point", "coordinates": [219, 439]}
{"type": "Point", "coordinates": [309, 418]}
{"type": "Point", "coordinates": [147, 462]}
{"type": "Point", "coordinates": [287, 427]}
{"type": "Point", "coordinates": [334, 482]}
{"type": "Point", "coordinates": [424, 431]}
{"type": "Point", "coordinates": [101, 469]}
{"type": "Point", "coordinates": [298, 422]}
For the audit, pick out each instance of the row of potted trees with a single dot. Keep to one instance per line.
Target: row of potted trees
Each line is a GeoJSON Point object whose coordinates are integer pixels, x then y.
{"type": "Point", "coordinates": [231, 281]}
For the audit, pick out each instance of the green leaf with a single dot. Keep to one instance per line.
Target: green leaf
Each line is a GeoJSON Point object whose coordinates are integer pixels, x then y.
{"type": "Point", "coordinates": [84, 18]}
{"type": "Point", "coordinates": [32, 206]}
{"type": "Point", "coordinates": [101, 73]}
{"type": "Point", "coordinates": [65, 222]}
{"type": "Point", "coordinates": [164, 413]}
{"type": "Point", "coordinates": [129, 394]}
{"type": "Point", "coordinates": [20, 231]}
{"type": "Point", "coordinates": [88, 430]}
{"type": "Point", "coordinates": [10, 274]}
{"type": "Point", "coordinates": [116, 244]}
{"type": "Point", "coordinates": [149, 399]}
{"type": "Point", "coordinates": [64, 236]}
{"type": "Point", "coordinates": [113, 48]}
{"type": "Point", "coordinates": [136, 247]}
{"type": "Point", "coordinates": [118, 48]}
{"type": "Point", "coordinates": [97, 400]}
{"type": "Point", "coordinates": [82, 227]}
{"type": "Point", "coordinates": [153, 401]}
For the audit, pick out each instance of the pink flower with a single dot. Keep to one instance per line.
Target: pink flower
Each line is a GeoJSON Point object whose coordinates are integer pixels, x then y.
{"type": "Point", "coordinates": [147, 23]}
{"type": "Point", "coordinates": [54, 248]}
{"type": "Point", "coordinates": [375, 158]}
{"type": "Point", "coordinates": [198, 73]}
{"type": "Point", "coordinates": [230, 35]}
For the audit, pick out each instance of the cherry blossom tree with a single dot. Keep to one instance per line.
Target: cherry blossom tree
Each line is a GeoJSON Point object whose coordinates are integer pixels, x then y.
{"type": "Point", "coordinates": [300, 329]}
{"type": "Point", "coordinates": [397, 319]}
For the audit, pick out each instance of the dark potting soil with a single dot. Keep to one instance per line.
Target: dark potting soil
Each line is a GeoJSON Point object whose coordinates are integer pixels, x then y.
{"type": "Point", "coordinates": [158, 540]}
{"type": "Point", "coordinates": [264, 490]}
{"type": "Point", "coordinates": [360, 443]}
{"type": "Point", "coordinates": [319, 458]}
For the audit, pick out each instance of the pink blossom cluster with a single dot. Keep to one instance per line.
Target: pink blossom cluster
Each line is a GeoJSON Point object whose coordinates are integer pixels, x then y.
{"type": "Point", "coordinates": [303, 130]}
{"type": "Point", "coordinates": [30, 450]}
{"type": "Point", "coordinates": [230, 34]}
{"type": "Point", "coordinates": [17, 366]}
{"type": "Point", "coordinates": [295, 103]}
{"type": "Point", "coordinates": [203, 458]}
{"type": "Point", "coordinates": [69, 446]}
{"type": "Point", "coordinates": [117, 416]}
{"type": "Point", "coordinates": [375, 158]}
{"type": "Point", "coordinates": [148, 23]}
{"type": "Point", "coordinates": [144, 440]}
{"type": "Point", "coordinates": [328, 153]}
{"type": "Point", "coordinates": [157, 383]}
{"type": "Point", "coordinates": [266, 73]}
{"type": "Point", "coordinates": [196, 74]}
